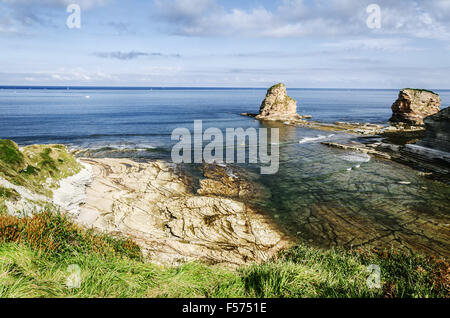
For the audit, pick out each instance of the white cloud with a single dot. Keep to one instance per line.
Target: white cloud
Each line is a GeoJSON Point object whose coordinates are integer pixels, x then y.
{"type": "Point", "coordinates": [296, 18]}
{"type": "Point", "coordinates": [18, 15]}
{"type": "Point", "coordinates": [371, 44]}
{"type": "Point", "coordinates": [83, 76]}
{"type": "Point", "coordinates": [84, 4]}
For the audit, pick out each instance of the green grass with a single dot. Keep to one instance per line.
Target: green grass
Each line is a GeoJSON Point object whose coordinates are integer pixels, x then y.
{"type": "Point", "coordinates": [25, 272]}
{"type": "Point", "coordinates": [36, 164]}
{"type": "Point", "coordinates": [35, 254]}
{"type": "Point", "coordinates": [10, 155]}
{"type": "Point", "coordinates": [9, 194]}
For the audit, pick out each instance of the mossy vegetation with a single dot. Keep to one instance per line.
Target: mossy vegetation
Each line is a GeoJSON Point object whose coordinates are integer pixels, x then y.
{"type": "Point", "coordinates": [10, 194]}
{"type": "Point", "coordinates": [10, 155]}
{"type": "Point", "coordinates": [36, 252]}
{"type": "Point", "coordinates": [7, 194]}
{"type": "Point", "coordinates": [272, 88]}
{"type": "Point", "coordinates": [421, 90]}
{"type": "Point", "coordinates": [37, 167]}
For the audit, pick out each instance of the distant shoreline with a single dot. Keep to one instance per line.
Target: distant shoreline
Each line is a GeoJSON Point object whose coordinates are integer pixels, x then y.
{"type": "Point", "coordinates": [175, 88]}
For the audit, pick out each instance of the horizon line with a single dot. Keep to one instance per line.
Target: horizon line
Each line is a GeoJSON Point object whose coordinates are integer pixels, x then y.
{"type": "Point", "coordinates": [105, 87]}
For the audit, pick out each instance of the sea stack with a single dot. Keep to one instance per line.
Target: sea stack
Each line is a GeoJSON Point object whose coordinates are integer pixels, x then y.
{"type": "Point", "coordinates": [438, 131]}
{"type": "Point", "coordinates": [278, 105]}
{"type": "Point", "coordinates": [413, 105]}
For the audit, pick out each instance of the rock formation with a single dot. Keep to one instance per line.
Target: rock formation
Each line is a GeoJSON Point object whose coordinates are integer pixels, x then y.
{"type": "Point", "coordinates": [437, 134]}
{"type": "Point", "coordinates": [278, 105]}
{"type": "Point", "coordinates": [157, 206]}
{"type": "Point", "coordinates": [413, 105]}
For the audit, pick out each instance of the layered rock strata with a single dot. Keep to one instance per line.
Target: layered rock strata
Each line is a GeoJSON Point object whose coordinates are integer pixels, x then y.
{"type": "Point", "coordinates": [413, 105]}
{"type": "Point", "coordinates": [437, 135]}
{"type": "Point", "coordinates": [157, 207]}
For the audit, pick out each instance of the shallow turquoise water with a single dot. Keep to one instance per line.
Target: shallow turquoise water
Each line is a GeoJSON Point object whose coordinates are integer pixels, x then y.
{"type": "Point", "coordinates": [378, 202]}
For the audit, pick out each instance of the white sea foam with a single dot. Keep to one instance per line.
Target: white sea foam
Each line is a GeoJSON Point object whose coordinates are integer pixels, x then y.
{"type": "Point", "coordinates": [313, 139]}
{"type": "Point", "coordinates": [356, 157]}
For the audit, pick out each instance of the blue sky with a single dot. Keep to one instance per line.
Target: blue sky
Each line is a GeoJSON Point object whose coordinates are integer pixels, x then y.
{"type": "Point", "coordinates": [254, 43]}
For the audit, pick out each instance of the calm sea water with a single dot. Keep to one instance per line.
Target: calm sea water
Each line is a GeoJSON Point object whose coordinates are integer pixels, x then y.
{"type": "Point", "coordinates": [314, 197]}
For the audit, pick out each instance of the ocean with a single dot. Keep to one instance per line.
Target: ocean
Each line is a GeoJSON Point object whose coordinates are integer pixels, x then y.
{"type": "Point", "coordinates": [323, 197]}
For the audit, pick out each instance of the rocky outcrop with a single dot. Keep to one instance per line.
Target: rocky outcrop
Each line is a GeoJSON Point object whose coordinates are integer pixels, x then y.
{"type": "Point", "coordinates": [358, 147]}
{"type": "Point", "coordinates": [437, 134]}
{"type": "Point", "coordinates": [157, 206]}
{"type": "Point", "coordinates": [413, 105]}
{"type": "Point", "coordinates": [278, 105]}
{"type": "Point", "coordinates": [432, 152]}
{"type": "Point", "coordinates": [222, 181]}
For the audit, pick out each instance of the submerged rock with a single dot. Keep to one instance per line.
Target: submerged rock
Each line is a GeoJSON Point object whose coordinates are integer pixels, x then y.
{"type": "Point", "coordinates": [437, 135]}
{"type": "Point", "coordinates": [227, 182]}
{"type": "Point", "coordinates": [278, 105]}
{"type": "Point", "coordinates": [413, 105]}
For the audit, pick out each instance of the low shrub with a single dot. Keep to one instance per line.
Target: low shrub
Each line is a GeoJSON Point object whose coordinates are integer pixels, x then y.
{"type": "Point", "coordinates": [55, 234]}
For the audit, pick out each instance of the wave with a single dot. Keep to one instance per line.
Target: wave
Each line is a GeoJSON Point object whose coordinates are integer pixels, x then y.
{"type": "Point", "coordinates": [313, 139]}
{"type": "Point", "coordinates": [122, 152]}
{"type": "Point", "coordinates": [52, 138]}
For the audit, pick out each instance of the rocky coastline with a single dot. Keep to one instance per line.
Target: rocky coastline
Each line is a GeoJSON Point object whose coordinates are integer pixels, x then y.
{"type": "Point", "coordinates": [418, 133]}
{"type": "Point", "coordinates": [176, 220]}
{"type": "Point", "coordinates": [155, 203]}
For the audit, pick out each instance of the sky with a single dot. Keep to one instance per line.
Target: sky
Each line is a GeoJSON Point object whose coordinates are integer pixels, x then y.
{"type": "Point", "coordinates": [214, 43]}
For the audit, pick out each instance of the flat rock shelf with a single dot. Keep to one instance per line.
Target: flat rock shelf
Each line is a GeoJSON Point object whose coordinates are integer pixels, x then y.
{"type": "Point", "coordinates": [156, 206]}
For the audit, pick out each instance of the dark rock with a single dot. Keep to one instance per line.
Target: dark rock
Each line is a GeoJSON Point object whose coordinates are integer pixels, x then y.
{"type": "Point", "coordinates": [437, 134]}
{"type": "Point", "coordinates": [413, 105]}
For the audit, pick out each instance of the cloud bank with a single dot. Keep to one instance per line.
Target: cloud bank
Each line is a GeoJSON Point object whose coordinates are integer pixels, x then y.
{"type": "Point", "coordinates": [299, 18]}
{"type": "Point", "coordinates": [131, 55]}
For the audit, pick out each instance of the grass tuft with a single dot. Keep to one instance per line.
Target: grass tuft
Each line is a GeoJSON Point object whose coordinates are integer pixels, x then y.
{"type": "Point", "coordinates": [10, 154]}
{"type": "Point", "coordinates": [54, 234]}
{"type": "Point", "coordinates": [36, 252]}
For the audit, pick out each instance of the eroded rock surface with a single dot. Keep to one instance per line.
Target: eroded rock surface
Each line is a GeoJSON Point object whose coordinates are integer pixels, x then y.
{"type": "Point", "coordinates": [223, 181]}
{"type": "Point", "coordinates": [413, 105]}
{"type": "Point", "coordinates": [278, 105]}
{"type": "Point", "coordinates": [155, 205]}
{"type": "Point", "coordinates": [437, 134]}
